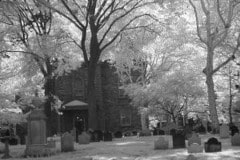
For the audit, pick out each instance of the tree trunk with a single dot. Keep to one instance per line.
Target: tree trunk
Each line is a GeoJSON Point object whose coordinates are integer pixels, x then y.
{"type": "Point", "coordinates": [211, 93]}
{"type": "Point", "coordinates": [49, 90]}
{"type": "Point", "coordinates": [92, 105]}
{"type": "Point", "coordinates": [230, 98]}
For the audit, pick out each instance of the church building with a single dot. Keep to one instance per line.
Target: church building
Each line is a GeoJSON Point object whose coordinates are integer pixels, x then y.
{"type": "Point", "coordinates": [114, 110]}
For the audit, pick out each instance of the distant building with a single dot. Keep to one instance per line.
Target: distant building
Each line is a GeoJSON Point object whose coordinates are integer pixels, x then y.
{"type": "Point", "coordinates": [114, 110]}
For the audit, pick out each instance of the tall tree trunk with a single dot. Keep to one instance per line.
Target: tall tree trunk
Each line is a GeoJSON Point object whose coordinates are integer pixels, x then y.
{"type": "Point", "coordinates": [230, 97]}
{"type": "Point", "coordinates": [92, 105]}
{"type": "Point", "coordinates": [211, 92]}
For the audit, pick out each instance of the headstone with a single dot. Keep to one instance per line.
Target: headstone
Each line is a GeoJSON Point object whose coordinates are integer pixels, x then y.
{"type": "Point", "coordinates": [168, 127]}
{"type": "Point", "coordinates": [212, 145]}
{"type": "Point", "coordinates": [224, 131]}
{"type": "Point", "coordinates": [97, 136]}
{"type": "Point", "coordinates": [235, 140]}
{"type": "Point", "coordinates": [67, 142]}
{"type": "Point", "coordinates": [234, 129]}
{"type": "Point", "coordinates": [161, 143]}
{"type": "Point", "coordinates": [178, 139]}
{"type": "Point", "coordinates": [36, 139]}
{"type": "Point", "coordinates": [107, 136]}
{"type": "Point", "coordinates": [2, 147]}
{"type": "Point", "coordinates": [84, 138]}
{"type": "Point", "coordinates": [188, 131]}
{"type": "Point", "coordinates": [194, 139]}
{"type": "Point", "coordinates": [195, 148]}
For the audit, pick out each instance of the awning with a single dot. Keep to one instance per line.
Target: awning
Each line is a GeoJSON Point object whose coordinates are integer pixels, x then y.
{"type": "Point", "coordinates": [75, 105]}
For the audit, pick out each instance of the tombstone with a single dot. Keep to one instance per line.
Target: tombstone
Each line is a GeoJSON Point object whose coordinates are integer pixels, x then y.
{"type": "Point", "coordinates": [168, 127]}
{"type": "Point", "coordinates": [234, 129]}
{"type": "Point", "coordinates": [2, 147]}
{"type": "Point", "coordinates": [212, 145]}
{"type": "Point", "coordinates": [36, 138]}
{"type": "Point", "coordinates": [84, 138]}
{"type": "Point", "coordinates": [194, 139]}
{"type": "Point", "coordinates": [224, 131]}
{"type": "Point", "coordinates": [97, 136]}
{"type": "Point", "coordinates": [67, 142]}
{"type": "Point", "coordinates": [161, 143]}
{"type": "Point", "coordinates": [118, 134]}
{"type": "Point", "coordinates": [235, 140]}
{"type": "Point", "coordinates": [107, 136]}
{"type": "Point", "coordinates": [195, 148]}
{"type": "Point", "coordinates": [179, 139]}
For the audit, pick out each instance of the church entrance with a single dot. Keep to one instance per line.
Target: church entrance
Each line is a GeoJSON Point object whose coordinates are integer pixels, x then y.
{"type": "Point", "coordinates": [80, 122]}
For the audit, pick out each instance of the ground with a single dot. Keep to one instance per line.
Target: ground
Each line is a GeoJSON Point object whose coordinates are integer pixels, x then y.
{"type": "Point", "coordinates": [132, 148]}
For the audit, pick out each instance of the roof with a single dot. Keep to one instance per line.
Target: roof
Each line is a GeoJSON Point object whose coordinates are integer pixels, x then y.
{"type": "Point", "coordinates": [75, 105]}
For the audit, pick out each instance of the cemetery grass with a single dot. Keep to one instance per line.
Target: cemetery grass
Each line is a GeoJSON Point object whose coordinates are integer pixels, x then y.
{"type": "Point", "coordinates": [132, 148]}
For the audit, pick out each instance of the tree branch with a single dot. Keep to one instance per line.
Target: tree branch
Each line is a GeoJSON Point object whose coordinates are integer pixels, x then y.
{"type": "Point", "coordinates": [197, 22]}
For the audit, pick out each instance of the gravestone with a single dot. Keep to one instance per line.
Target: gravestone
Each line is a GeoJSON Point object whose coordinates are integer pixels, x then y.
{"type": "Point", "coordinates": [107, 136]}
{"type": "Point", "coordinates": [178, 139]}
{"type": "Point", "coordinates": [224, 131]}
{"type": "Point", "coordinates": [234, 129]}
{"type": "Point", "coordinates": [195, 148]}
{"type": "Point", "coordinates": [188, 131]}
{"type": "Point", "coordinates": [161, 143]}
{"type": "Point", "coordinates": [212, 145]}
{"type": "Point", "coordinates": [201, 129]}
{"type": "Point", "coordinates": [194, 139]}
{"type": "Point", "coordinates": [235, 140]}
{"type": "Point", "coordinates": [36, 138]}
{"type": "Point", "coordinates": [168, 127]}
{"type": "Point", "coordinates": [169, 139]}
{"type": "Point", "coordinates": [67, 142]}
{"type": "Point", "coordinates": [84, 138]}
{"type": "Point", "coordinates": [2, 147]}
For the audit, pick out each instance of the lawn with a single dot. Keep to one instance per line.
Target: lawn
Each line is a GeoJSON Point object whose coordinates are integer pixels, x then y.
{"type": "Point", "coordinates": [132, 148]}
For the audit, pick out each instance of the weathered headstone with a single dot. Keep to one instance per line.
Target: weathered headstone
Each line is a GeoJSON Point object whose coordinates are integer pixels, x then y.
{"type": "Point", "coordinates": [67, 142]}
{"type": "Point", "coordinates": [178, 140]}
{"type": "Point", "coordinates": [161, 143]}
{"type": "Point", "coordinates": [195, 148]}
{"type": "Point", "coordinates": [224, 131]}
{"type": "Point", "coordinates": [84, 138]}
{"type": "Point", "coordinates": [235, 140]}
{"type": "Point", "coordinates": [234, 129]}
{"type": "Point", "coordinates": [2, 147]}
{"type": "Point", "coordinates": [212, 145]}
{"type": "Point", "coordinates": [194, 139]}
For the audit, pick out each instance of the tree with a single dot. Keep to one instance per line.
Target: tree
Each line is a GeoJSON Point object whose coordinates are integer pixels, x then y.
{"type": "Point", "coordinates": [100, 24]}
{"type": "Point", "coordinates": [34, 32]}
{"type": "Point", "coordinates": [214, 21]}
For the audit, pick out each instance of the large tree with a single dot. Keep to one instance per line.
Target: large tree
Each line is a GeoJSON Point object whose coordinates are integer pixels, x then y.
{"type": "Point", "coordinates": [214, 21]}
{"type": "Point", "coordinates": [99, 23]}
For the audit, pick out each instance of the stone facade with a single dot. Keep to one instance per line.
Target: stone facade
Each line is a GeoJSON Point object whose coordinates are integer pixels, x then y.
{"type": "Point", "coordinates": [113, 108]}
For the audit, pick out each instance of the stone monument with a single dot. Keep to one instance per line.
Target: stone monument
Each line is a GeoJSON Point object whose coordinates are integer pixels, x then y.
{"type": "Point", "coordinates": [36, 139]}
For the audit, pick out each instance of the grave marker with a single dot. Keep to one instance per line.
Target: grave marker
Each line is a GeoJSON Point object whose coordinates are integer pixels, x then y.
{"type": "Point", "coordinates": [161, 143]}
{"type": "Point", "coordinates": [195, 148]}
{"type": "Point", "coordinates": [224, 131]}
{"type": "Point", "coordinates": [235, 140]}
{"type": "Point", "coordinates": [212, 145]}
{"type": "Point", "coordinates": [67, 142]}
{"type": "Point", "coordinates": [84, 138]}
{"type": "Point", "coordinates": [178, 140]}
